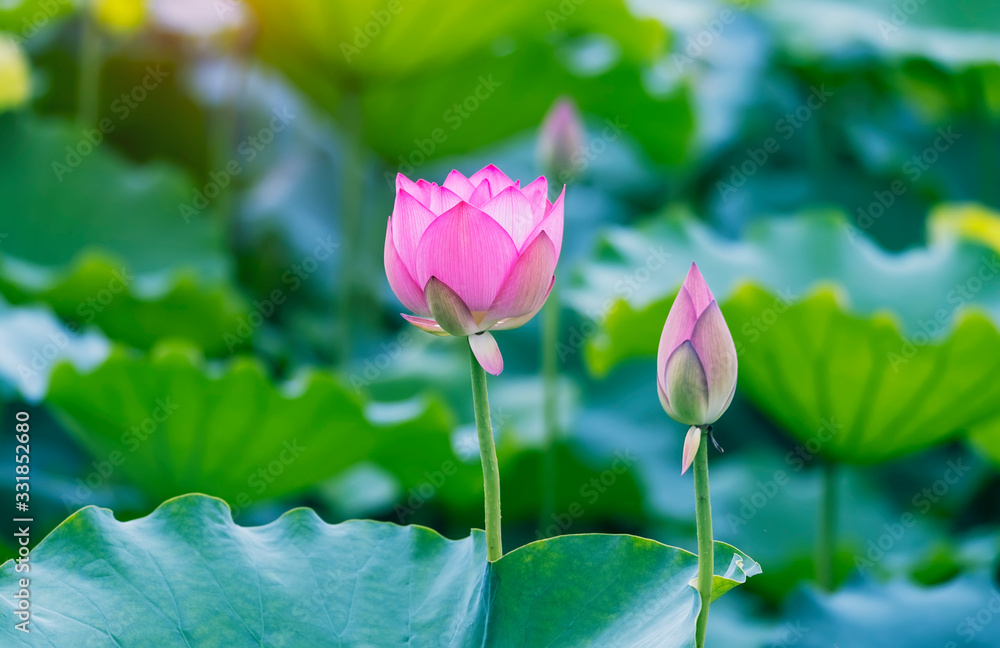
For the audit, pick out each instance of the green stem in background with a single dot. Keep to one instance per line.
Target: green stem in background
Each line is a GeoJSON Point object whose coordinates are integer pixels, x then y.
{"type": "Point", "coordinates": [827, 537]}
{"type": "Point", "coordinates": [706, 550]}
{"type": "Point", "coordinates": [350, 214]}
{"type": "Point", "coordinates": [88, 90]}
{"type": "Point", "coordinates": [225, 120]}
{"type": "Point", "coordinates": [488, 453]}
{"type": "Point", "coordinates": [550, 405]}
{"type": "Point", "coordinates": [982, 115]}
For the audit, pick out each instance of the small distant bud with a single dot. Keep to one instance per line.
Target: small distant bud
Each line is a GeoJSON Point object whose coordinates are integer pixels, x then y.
{"type": "Point", "coordinates": [561, 140]}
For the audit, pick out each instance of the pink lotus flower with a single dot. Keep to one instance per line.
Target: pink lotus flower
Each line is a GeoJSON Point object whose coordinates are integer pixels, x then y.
{"type": "Point", "coordinates": [696, 361]}
{"type": "Point", "coordinates": [473, 255]}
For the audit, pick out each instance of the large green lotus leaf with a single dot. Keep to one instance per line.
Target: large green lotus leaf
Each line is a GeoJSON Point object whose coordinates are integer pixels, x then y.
{"type": "Point", "coordinates": [188, 576]}
{"type": "Point", "coordinates": [423, 34]}
{"type": "Point", "coordinates": [817, 363]}
{"type": "Point", "coordinates": [902, 362]}
{"type": "Point", "coordinates": [986, 438]}
{"type": "Point", "coordinates": [173, 425]}
{"type": "Point", "coordinates": [26, 18]}
{"type": "Point", "coordinates": [62, 209]}
{"type": "Point", "coordinates": [501, 62]}
{"type": "Point", "coordinates": [527, 81]}
{"type": "Point", "coordinates": [135, 310]}
{"type": "Point", "coordinates": [959, 33]}
{"type": "Point", "coordinates": [124, 259]}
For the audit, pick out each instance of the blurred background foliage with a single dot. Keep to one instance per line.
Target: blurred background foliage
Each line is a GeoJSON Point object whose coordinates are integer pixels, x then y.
{"type": "Point", "coordinates": [193, 198]}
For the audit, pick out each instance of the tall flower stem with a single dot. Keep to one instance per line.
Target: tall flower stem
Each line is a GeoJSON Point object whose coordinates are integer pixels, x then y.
{"type": "Point", "coordinates": [550, 406]}
{"type": "Point", "coordinates": [827, 538]}
{"type": "Point", "coordinates": [351, 206]}
{"type": "Point", "coordinates": [88, 90]}
{"type": "Point", "coordinates": [706, 550]}
{"type": "Point", "coordinates": [488, 454]}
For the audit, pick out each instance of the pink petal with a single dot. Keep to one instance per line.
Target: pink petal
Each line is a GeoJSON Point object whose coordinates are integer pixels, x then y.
{"type": "Point", "coordinates": [713, 343]}
{"type": "Point", "coordinates": [459, 184]}
{"type": "Point", "coordinates": [552, 225]}
{"type": "Point", "coordinates": [413, 188]}
{"type": "Point", "coordinates": [400, 280]}
{"type": "Point", "coordinates": [680, 322]}
{"type": "Point", "coordinates": [425, 324]}
{"type": "Point", "coordinates": [498, 181]}
{"type": "Point", "coordinates": [664, 400]}
{"type": "Point", "coordinates": [469, 251]}
{"type": "Point", "coordinates": [527, 285]}
{"type": "Point", "coordinates": [537, 194]}
{"type": "Point", "coordinates": [485, 348]}
{"type": "Point", "coordinates": [410, 220]}
{"type": "Point", "coordinates": [515, 322]}
{"type": "Point", "coordinates": [701, 296]}
{"type": "Point", "coordinates": [481, 194]}
{"type": "Point", "coordinates": [691, 442]}
{"type": "Point", "coordinates": [449, 311]}
{"type": "Point", "coordinates": [513, 211]}
{"type": "Point", "coordinates": [448, 199]}
{"type": "Point", "coordinates": [433, 193]}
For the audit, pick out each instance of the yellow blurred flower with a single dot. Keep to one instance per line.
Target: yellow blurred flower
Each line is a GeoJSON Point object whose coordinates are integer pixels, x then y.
{"type": "Point", "coordinates": [119, 16]}
{"type": "Point", "coordinates": [970, 222]}
{"type": "Point", "coordinates": [15, 74]}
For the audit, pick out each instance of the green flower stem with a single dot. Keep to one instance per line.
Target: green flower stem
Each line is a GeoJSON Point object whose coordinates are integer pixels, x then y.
{"type": "Point", "coordinates": [550, 405]}
{"type": "Point", "coordinates": [706, 551]}
{"type": "Point", "coordinates": [827, 538]}
{"type": "Point", "coordinates": [488, 453]}
{"type": "Point", "coordinates": [351, 205]}
{"type": "Point", "coordinates": [88, 90]}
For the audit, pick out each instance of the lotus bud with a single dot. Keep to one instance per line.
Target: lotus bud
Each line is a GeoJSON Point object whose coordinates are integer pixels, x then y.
{"type": "Point", "coordinates": [696, 361]}
{"type": "Point", "coordinates": [561, 141]}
